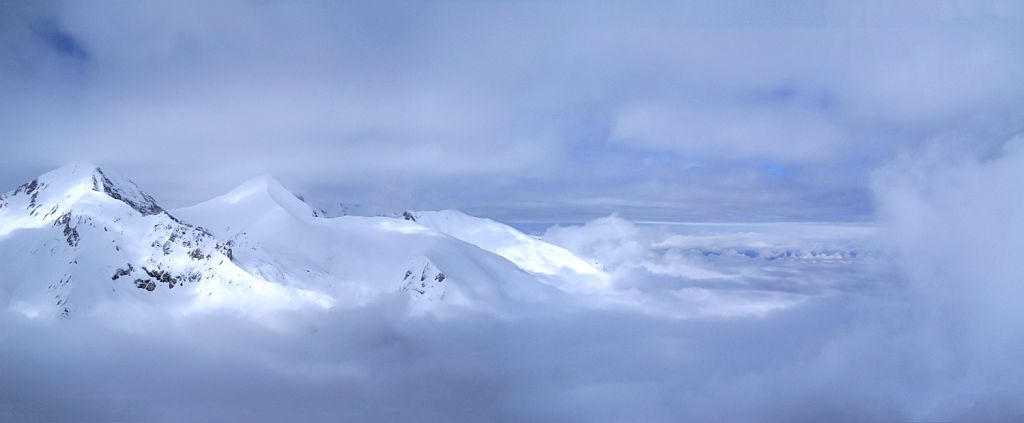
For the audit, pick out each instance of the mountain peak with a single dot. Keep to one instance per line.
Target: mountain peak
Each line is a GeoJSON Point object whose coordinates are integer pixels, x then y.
{"type": "Point", "coordinates": [266, 187]}
{"type": "Point", "coordinates": [254, 199]}
{"type": "Point", "coordinates": [70, 173]}
{"type": "Point", "coordinates": [260, 184]}
{"type": "Point", "coordinates": [70, 183]}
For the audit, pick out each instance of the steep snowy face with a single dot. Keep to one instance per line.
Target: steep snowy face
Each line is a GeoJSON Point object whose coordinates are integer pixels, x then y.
{"type": "Point", "coordinates": [559, 265]}
{"type": "Point", "coordinates": [277, 237]}
{"type": "Point", "coordinates": [77, 237]}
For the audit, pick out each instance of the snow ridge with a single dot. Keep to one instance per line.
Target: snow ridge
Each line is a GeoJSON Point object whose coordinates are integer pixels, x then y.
{"type": "Point", "coordinates": [80, 239]}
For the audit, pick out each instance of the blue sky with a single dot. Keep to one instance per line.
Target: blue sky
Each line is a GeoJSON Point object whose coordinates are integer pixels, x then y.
{"type": "Point", "coordinates": [521, 111]}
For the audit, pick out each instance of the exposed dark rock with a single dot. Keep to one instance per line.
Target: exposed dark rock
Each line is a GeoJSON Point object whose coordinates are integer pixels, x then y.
{"type": "Point", "coordinates": [146, 284]}
{"type": "Point", "coordinates": [122, 272]}
{"type": "Point", "coordinates": [33, 205]}
{"type": "Point", "coordinates": [192, 277]}
{"type": "Point", "coordinates": [407, 215]}
{"type": "Point", "coordinates": [31, 189]}
{"type": "Point", "coordinates": [162, 276]}
{"type": "Point", "coordinates": [429, 278]}
{"type": "Point", "coordinates": [145, 205]}
{"type": "Point", "coordinates": [225, 248]}
{"type": "Point", "coordinates": [28, 188]}
{"type": "Point", "coordinates": [70, 232]}
{"type": "Point", "coordinates": [51, 212]}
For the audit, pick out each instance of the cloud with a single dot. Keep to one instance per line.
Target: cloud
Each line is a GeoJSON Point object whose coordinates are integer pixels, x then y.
{"type": "Point", "coordinates": [766, 132]}
{"type": "Point", "coordinates": [418, 98]}
{"type": "Point", "coordinates": [953, 220]}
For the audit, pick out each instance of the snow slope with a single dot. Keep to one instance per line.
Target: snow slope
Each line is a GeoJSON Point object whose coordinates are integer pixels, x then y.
{"type": "Point", "coordinates": [356, 259]}
{"type": "Point", "coordinates": [531, 254]}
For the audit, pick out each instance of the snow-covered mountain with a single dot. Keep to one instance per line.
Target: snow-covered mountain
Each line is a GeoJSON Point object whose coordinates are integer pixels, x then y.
{"type": "Point", "coordinates": [527, 252]}
{"type": "Point", "coordinates": [80, 238]}
{"type": "Point", "coordinates": [555, 264]}
{"type": "Point", "coordinates": [278, 238]}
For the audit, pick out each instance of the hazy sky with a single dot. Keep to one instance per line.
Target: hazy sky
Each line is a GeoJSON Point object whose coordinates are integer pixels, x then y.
{"type": "Point", "coordinates": [720, 110]}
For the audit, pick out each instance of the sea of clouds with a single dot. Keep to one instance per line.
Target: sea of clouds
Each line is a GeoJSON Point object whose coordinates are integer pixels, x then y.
{"type": "Point", "coordinates": [914, 317]}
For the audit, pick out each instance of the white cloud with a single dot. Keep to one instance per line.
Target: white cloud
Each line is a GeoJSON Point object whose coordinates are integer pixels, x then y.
{"type": "Point", "coordinates": [781, 132]}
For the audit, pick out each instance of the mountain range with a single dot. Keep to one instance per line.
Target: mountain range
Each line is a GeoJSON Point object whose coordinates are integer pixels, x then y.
{"type": "Point", "coordinates": [80, 239]}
